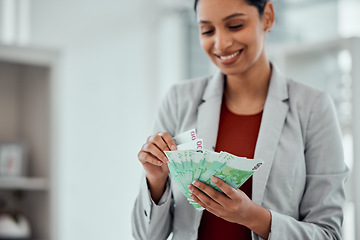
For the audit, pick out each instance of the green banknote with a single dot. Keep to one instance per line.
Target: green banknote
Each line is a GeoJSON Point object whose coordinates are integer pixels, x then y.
{"type": "Point", "coordinates": [213, 163]}
{"type": "Point", "coordinates": [181, 169]}
{"type": "Point", "coordinates": [187, 157]}
{"type": "Point", "coordinates": [176, 170]}
{"type": "Point", "coordinates": [235, 171]}
{"type": "Point", "coordinates": [185, 137]}
{"type": "Point", "coordinates": [183, 156]}
{"type": "Point", "coordinates": [196, 144]}
{"type": "Point", "coordinates": [192, 162]}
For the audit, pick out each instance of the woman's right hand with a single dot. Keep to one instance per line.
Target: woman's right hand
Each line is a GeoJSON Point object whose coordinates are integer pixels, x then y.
{"type": "Point", "coordinates": [154, 161]}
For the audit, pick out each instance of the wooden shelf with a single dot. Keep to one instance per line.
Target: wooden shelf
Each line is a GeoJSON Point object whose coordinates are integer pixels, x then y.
{"type": "Point", "coordinates": [27, 84]}
{"type": "Point", "coordinates": [24, 183]}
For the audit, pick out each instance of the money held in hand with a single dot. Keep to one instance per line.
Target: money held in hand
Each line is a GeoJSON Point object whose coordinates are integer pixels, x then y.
{"type": "Point", "coordinates": [195, 163]}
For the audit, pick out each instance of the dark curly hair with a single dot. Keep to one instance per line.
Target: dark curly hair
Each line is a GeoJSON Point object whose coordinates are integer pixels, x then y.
{"type": "Point", "coordinates": [259, 4]}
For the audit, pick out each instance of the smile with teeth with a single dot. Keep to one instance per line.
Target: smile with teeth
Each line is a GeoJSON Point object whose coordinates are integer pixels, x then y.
{"type": "Point", "coordinates": [229, 56]}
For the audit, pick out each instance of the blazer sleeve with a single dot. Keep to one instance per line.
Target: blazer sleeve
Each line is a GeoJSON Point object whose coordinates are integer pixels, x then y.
{"type": "Point", "coordinates": [322, 205]}
{"type": "Point", "coordinates": [151, 220]}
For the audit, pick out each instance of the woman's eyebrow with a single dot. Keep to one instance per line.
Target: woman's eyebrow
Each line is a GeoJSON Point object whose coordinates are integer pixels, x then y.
{"type": "Point", "coordinates": [233, 15]}
{"type": "Point", "coordinates": [226, 18]}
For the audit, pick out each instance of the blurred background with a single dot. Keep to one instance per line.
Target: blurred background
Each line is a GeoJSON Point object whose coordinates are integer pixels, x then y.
{"type": "Point", "coordinates": [80, 81]}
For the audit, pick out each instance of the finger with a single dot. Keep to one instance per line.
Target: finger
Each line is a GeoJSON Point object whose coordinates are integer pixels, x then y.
{"type": "Point", "coordinates": [168, 139]}
{"type": "Point", "coordinates": [211, 192]}
{"type": "Point", "coordinates": [159, 142]}
{"type": "Point", "coordinates": [145, 157]}
{"type": "Point", "coordinates": [226, 188]}
{"type": "Point", "coordinates": [155, 151]}
{"type": "Point", "coordinates": [207, 200]}
{"type": "Point", "coordinates": [208, 208]}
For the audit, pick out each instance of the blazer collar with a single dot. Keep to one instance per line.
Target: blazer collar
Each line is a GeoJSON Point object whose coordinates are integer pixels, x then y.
{"type": "Point", "coordinates": [272, 123]}
{"type": "Point", "coordinates": [274, 114]}
{"type": "Point", "coordinates": [215, 87]}
{"type": "Point", "coordinates": [278, 85]}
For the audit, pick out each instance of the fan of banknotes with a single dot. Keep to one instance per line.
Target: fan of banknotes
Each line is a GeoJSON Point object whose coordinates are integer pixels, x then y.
{"type": "Point", "coordinates": [191, 162]}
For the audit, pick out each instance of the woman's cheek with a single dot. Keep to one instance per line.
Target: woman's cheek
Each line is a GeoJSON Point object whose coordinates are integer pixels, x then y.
{"type": "Point", "coordinates": [205, 44]}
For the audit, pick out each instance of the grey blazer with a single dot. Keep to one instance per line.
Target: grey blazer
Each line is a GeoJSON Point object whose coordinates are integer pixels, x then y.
{"type": "Point", "coordinates": [301, 182]}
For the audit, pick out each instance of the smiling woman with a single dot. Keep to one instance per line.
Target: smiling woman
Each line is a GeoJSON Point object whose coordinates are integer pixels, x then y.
{"type": "Point", "coordinates": [248, 109]}
{"type": "Point", "coordinates": [234, 41]}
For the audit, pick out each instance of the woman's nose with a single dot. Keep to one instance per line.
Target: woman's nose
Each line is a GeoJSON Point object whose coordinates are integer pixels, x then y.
{"type": "Point", "coordinates": [223, 41]}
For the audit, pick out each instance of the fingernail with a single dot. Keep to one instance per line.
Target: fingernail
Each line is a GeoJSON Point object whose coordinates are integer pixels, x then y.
{"type": "Point", "coordinates": [191, 188]}
{"type": "Point", "coordinates": [165, 159]}
{"type": "Point", "coordinates": [160, 163]}
{"type": "Point", "coordinates": [173, 147]}
{"type": "Point", "coordinates": [214, 179]}
{"type": "Point", "coordinates": [195, 183]}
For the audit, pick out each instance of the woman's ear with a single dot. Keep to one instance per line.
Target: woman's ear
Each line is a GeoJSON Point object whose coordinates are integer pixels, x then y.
{"type": "Point", "coordinates": [268, 16]}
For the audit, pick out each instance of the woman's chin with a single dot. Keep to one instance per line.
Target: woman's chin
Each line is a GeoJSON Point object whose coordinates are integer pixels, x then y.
{"type": "Point", "coordinates": [232, 70]}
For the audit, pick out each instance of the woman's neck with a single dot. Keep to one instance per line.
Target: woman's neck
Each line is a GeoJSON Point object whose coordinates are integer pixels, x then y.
{"type": "Point", "coordinates": [248, 90]}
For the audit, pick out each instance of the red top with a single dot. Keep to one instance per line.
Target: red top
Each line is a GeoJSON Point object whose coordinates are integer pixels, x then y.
{"type": "Point", "coordinates": [237, 135]}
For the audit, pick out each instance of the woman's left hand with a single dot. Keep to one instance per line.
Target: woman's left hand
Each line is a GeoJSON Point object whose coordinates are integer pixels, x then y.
{"type": "Point", "coordinates": [232, 205]}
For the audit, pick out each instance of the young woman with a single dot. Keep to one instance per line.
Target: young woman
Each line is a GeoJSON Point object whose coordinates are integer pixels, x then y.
{"type": "Point", "coordinates": [248, 109]}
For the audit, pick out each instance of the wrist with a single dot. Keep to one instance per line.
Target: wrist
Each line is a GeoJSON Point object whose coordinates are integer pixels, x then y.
{"type": "Point", "coordinates": [259, 220]}
{"type": "Point", "coordinates": [156, 187]}
{"type": "Point", "coordinates": [156, 181]}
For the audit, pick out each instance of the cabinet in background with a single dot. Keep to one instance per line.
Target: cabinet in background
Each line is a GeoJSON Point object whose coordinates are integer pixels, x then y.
{"type": "Point", "coordinates": [27, 113]}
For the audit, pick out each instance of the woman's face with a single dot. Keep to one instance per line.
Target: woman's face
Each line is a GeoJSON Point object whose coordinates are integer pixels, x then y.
{"type": "Point", "coordinates": [232, 33]}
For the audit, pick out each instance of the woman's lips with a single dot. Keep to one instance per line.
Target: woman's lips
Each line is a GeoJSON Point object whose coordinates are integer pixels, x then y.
{"type": "Point", "coordinates": [229, 58]}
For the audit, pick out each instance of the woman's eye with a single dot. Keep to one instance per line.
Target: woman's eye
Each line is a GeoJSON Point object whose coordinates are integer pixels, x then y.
{"type": "Point", "coordinates": [207, 32]}
{"type": "Point", "coordinates": [236, 26]}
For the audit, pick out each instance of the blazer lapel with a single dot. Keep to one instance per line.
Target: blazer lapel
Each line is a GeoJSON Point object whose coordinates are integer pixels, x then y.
{"type": "Point", "coordinates": [209, 111]}
{"type": "Point", "coordinates": [273, 119]}
{"type": "Point", "coordinates": [208, 117]}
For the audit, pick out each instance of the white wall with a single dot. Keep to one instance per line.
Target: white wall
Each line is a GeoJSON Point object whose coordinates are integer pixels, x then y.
{"type": "Point", "coordinates": [106, 94]}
